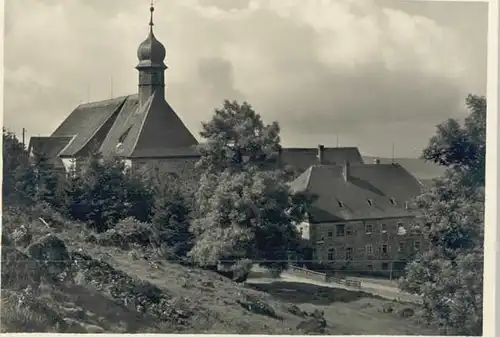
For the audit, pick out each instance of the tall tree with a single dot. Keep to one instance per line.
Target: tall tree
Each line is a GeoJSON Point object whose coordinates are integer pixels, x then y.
{"type": "Point", "coordinates": [243, 207]}
{"type": "Point", "coordinates": [15, 165]}
{"type": "Point", "coordinates": [449, 274]}
{"type": "Point", "coordinates": [171, 214]}
{"type": "Point", "coordinates": [462, 147]}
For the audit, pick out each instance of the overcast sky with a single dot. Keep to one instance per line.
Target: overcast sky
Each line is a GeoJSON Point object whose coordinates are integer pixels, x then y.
{"type": "Point", "coordinates": [371, 72]}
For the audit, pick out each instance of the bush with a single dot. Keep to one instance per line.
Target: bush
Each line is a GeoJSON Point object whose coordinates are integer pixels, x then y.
{"type": "Point", "coordinates": [104, 193]}
{"type": "Point", "coordinates": [129, 233]}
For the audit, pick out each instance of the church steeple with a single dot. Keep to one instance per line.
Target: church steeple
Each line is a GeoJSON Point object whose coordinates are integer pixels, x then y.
{"type": "Point", "coordinates": [151, 54]}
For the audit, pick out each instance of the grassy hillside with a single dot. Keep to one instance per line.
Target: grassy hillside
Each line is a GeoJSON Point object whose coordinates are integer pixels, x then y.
{"type": "Point", "coordinates": [420, 168]}
{"type": "Point", "coordinates": [58, 278]}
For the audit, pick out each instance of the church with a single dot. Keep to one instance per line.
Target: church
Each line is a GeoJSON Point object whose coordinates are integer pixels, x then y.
{"type": "Point", "coordinates": [145, 131]}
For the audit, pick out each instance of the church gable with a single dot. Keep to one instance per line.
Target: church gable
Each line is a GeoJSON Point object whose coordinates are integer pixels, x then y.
{"type": "Point", "coordinates": [162, 132]}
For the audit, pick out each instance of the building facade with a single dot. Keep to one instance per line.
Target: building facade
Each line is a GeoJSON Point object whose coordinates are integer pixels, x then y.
{"type": "Point", "coordinates": [360, 221]}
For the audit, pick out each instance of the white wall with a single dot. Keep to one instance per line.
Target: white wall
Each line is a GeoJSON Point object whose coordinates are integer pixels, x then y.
{"type": "Point", "coordinates": [69, 164]}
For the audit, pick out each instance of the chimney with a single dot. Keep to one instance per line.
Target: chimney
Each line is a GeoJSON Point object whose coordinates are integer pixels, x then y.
{"type": "Point", "coordinates": [376, 161]}
{"type": "Point", "coordinates": [321, 154]}
{"type": "Point", "coordinates": [345, 170]}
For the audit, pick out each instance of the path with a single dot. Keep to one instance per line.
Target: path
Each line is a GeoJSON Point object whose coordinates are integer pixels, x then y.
{"type": "Point", "coordinates": [383, 290]}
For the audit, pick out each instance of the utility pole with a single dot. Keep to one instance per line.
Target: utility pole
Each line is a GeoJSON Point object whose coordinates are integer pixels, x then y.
{"type": "Point", "coordinates": [23, 138]}
{"type": "Point", "coordinates": [393, 152]}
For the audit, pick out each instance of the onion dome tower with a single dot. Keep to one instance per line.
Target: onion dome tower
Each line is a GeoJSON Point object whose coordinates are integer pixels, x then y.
{"type": "Point", "coordinates": [151, 54]}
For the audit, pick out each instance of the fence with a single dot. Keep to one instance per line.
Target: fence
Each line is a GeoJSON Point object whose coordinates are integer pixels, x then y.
{"type": "Point", "coordinates": [323, 277]}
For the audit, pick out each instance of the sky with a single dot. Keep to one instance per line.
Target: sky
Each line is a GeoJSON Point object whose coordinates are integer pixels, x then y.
{"type": "Point", "coordinates": [368, 73]}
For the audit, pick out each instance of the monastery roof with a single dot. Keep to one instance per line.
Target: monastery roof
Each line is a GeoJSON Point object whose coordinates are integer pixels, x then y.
{"type": "Point", "coordinates": [372, 191]}
{"type": "Point", "coordinates": [303, 158]}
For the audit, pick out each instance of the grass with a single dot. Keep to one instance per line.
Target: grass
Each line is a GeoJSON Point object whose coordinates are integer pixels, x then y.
{"type": "Point", "coordinates": [203, 301]}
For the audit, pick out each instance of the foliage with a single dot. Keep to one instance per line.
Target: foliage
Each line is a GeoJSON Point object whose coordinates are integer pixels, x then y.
{"type": "Point", "coordinates": [449, 274]}
{"type": "Point", "coordinates": [104, 192]}
{"type": "Point", "coordinates": [462, 147]}
{"type": "Point", "coordinates": [244, 207]}
{"type": "Point", "coordinates": [238, 139]}
{"type": "Point", "coordinates": [129, 233]}
{"type": "Point", "coordinates": [171, 215]}
{"type": "Point", "coordinates": [15, 165]}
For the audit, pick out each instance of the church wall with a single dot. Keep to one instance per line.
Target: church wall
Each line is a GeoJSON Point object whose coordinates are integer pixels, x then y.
{"type": "Point", "coordinates": [181, 167]}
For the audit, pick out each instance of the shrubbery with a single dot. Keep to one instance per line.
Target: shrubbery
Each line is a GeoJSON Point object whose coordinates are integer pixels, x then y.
{"type": "Point", "coordinates": [127, 208]}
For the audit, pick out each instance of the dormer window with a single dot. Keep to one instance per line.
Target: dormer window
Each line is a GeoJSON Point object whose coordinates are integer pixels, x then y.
{"type": "Point", "coordinates": [370, 202]}
{"type": "Point", "coordinates": [119, 146]}
{"type": "Point", "coordinates": [393, 201]}
{"type": "Point", "coordinates": [124, 135]}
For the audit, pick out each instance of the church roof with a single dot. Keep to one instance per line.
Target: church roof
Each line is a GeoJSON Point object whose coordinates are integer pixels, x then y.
{"type": "Point", "coordinates": [49, 147]}
{"type": "Point", "coordinates": [153, 130]}
{"type": "Point", "coordinates": [372, 191]}
{"type": "Point", "coordinates": [85, 122]}
{"type": "Point", "coordinates": [120, 127]}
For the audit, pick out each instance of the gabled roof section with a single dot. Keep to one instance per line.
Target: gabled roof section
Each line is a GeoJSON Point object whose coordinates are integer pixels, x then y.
{"type": "Point", "coordinates": [49, 147]}
{"type": "Point", "coordinates": [155, 132]}
{"type": "Point", "coordinates": [122, 129]}
{"type": "Point", "coordinates": [388, 187]}
{"type": "Point", "coordinates": [302, 158]}
{"type": "Point", "coordinates": [86, 121]}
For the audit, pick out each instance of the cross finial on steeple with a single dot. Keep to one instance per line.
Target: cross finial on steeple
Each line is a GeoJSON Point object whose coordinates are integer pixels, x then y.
{"type": "Point", "coordinates": [151, 9]}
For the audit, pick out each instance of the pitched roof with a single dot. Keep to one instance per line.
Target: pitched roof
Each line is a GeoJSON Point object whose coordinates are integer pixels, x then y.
{"type": "Point", "coordinates": [86, 121]}
{"type": "Point", "coordinates": [49, 147]}
{"type": "Point", "coordinates": [302, 158]}
{"type": "Point", "coordinates": [153, 130]}
{"type": "Point", "coordinates": [420, 168]}
{"type": "Point", "coordinates": [386, 186]}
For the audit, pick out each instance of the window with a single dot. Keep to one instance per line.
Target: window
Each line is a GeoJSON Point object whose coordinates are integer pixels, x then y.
{"type": "Point", "coordinates": [385, 266]}
{"type": "Point", "coordinates": [416, 245]}
{"type": "Point", "coordinates": [330, 234]}
{"type": "Point", "coordinates": [348, 230]}
{"type": "Point", "coordinates": [369, 267]}
{"type": "Point", "coordinates": [370, 202]}
{"type": "Point", "coordinates": [348, 253]}
{"type": "Point", "coordinates": [331, 254]}
{"type": "Point", "coordinates": [321, 240]}
{"type": "Point", "coordinates": [384, 227]}
{"type": "Point", "coordinates": [368, 228]}
{"type": "Point", "coordinates": [401, 247]}
{"type": "Point", "coordinates": [384, 249]}
{"type": "Point", "coordinates": [369, 250]}
{"type": "Point", "coordinates": [340, 230]}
